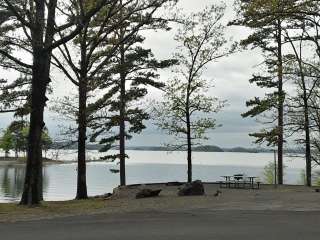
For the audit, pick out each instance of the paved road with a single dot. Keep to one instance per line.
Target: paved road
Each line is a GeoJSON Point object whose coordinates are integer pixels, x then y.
{"type": "Point", "coordinates": [187, 225]}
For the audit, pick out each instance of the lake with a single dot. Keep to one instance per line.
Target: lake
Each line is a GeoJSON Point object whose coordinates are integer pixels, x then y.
{"type": "Point", "coordinates": [59, 181]}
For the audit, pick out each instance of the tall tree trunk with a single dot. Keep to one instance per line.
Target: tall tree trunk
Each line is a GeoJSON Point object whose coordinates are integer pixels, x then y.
{"type": "Point", "coordinates": [305, 113]}
{"type": "Point", "coordinates": [280, 107]}
{"type": "Point", "coordinates": [32, 193]}
{"type": "Point", "coordinates": [308, 149]}
{"type": "Point", "coordinates": [189, 150]}
{"type": "Point", "coordinates": [188, 124]}
{"type": "Point", "coordinates": [122, 133]}
{"type": "Point", "coordinates": [122, 123]}
{"type": "Point", "coordinates": [82, 137]}
{"type": "Point", "coordinates": [307, 130]}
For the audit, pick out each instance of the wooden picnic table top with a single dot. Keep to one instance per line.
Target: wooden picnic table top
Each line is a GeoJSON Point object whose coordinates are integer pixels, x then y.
{"type": "Point", "coordinates": [238, 177]}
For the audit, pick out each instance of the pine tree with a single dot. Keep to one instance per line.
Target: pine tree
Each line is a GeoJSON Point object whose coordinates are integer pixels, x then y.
{"type": "Point", "coordinates": [15, 96]}
{"type": "Point", "coordinates": [267, 19]}
{"type": "Point", "coordinates": [133, 69]}
{"type": "Point", "coordinates": [96, 45]}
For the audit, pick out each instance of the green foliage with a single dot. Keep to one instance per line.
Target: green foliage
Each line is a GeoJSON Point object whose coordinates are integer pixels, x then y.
{"type": "Point", "coordinates": [15, 96]}
{"type": "Point", "coordinates": [131, 71]}
{"type": "Point", "coordinates": [266, 136]}
{"type": "Point", "coordinates": [269, 171]}
{"type": "Point", "coordinates": [16, 135]}
{"type": "Point", "coordinates": [46, 140]}
{"type": "Point", "coordinates": [187, 111]}
{"type": "Point", "coordinates": [315, 178]}
{"type": "Point", "coordinates": [267, 20]}
{"type": "Point", "coordinates": [6, 141]}
{"type": "Point", "coordinates": [170, 115]}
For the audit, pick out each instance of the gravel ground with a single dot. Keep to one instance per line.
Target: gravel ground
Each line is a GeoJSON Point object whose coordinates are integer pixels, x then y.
{"type": "Point", "coordinates": [285, 198]}
{"type": "Point", "coordinates": [288, 198]}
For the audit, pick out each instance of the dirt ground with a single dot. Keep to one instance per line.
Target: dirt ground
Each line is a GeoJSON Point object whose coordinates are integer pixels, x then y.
{"type": "Point", "coordinates": [291, 198]}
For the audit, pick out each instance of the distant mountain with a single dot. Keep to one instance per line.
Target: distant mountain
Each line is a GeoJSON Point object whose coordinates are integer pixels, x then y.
{"type": "Point", "coordinates": [208, 148]}
{"type": "Point", "coordinates": [205, 148]}
{"type": "Point", "coordinates": [138, 148]}
{"type": "Point", "coordinates": [247, 150]}
{"type": "Point", "coordinates": [147, 148]}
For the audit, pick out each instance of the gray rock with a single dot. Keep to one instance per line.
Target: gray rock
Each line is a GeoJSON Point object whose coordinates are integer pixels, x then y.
{"type": "Point", "coordinates": [106, 195]}
{"type": "Point", "coordinates": [195, 188]}
{"type": "Point", "coordinates": [148, 193]}
{"type": "Point", "coordinates": [174, 184]}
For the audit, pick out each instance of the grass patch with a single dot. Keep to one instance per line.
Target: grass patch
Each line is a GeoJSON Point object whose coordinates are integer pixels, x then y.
{"type": "Point", "coordinates": [10, 211]}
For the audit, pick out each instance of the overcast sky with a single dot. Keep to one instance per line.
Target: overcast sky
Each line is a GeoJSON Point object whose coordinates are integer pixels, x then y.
{"type": "Point", "coordinates": [230, 77]}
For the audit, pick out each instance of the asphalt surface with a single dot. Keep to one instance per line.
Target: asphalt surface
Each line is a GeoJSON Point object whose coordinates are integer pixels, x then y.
{"type": "Point", "coordinates": [186, 225]}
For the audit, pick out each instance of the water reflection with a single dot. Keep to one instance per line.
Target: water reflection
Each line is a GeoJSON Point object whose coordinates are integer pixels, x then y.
{"type": "Point", "coordinates": [60, 180]}
{"type": "Point", "coordinates": [12, 180]}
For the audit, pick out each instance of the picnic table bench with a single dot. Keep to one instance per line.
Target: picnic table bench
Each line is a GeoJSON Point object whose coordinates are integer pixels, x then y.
{"type": "Point", "coordinates": [239, 181]}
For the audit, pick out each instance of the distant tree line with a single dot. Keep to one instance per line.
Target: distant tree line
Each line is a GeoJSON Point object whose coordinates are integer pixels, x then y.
{"type": "Point", "coordinates": [15, 138]}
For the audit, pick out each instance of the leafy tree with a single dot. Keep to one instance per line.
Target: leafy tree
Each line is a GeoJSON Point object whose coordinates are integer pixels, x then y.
{"type": "Point", "coordinates": [186, 110]}
{"type": "Point", "coordinates": [16, 135]}
{"type": "Point", "coordinates": [46, 141]}
{"type": "Point", "coordinates": [19, 138]}
{"type": "Point", "coordinates": [303, 70]}
{"type": "Point", "coordinates": [6, 142]}
{"type": "Point", "coordinates": [269, 172]}
{"type": "Point", "coordinates": [299, 112]}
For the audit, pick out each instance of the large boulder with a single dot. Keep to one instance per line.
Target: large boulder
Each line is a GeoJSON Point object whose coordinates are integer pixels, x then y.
{"type": "Point", "coordinates": [148, 193]}
{"type": "Point", "coordinates": [192, 189]}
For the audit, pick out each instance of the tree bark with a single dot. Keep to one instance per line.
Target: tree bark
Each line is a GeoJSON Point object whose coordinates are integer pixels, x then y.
{"type": "Point", "coordinates": [82, 118]}
{"type": "Point", "coordinates": [308, 149]}
{"type": "Point", "coordinates": [122, 133]}
{"type": "Point", "coordinates": [188, 124]}
{"type": "Point", "coordinates": [189, 157]}
{"type": "Point", "coordinates": [280, 107]}
{"type": "Point", "coordinates": [307, 130]}
{"type": "Point", "coordinates": [32, 193]}
{"type": "Point", "coordinates": [82, 137]}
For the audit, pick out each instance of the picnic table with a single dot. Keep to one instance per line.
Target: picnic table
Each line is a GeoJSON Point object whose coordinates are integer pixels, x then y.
{"type": "Point", "coordinates": [239, 181]}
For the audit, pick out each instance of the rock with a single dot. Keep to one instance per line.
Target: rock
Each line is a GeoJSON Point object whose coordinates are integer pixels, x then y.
{"type": "Point", "coordinates": [123, 192]}
{"type": "Point", "coordinates": [174, 184]}
{"type": "Point", "coordinates": [218, 193]}
{"type": "Point", "coordinates": [147, 193]}
{"type": "Point", "coordinates": [317, 190]}
{"type": "Point", "coordinates": [106, 195]}
{"type": "Point", "coordinates": [192, 189]}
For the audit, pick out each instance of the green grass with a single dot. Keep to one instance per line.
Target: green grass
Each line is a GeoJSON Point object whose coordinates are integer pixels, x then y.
{"type": "Point", "coordinates": [9, 211]}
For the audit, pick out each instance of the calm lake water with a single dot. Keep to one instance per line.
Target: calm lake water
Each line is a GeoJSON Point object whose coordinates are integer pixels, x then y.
{"type": "Point", "coordinates": [143, 166]}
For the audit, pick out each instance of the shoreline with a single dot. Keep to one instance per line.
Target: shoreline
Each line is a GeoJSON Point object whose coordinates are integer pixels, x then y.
{"type": "Point", "coordinates": [22, 161]}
